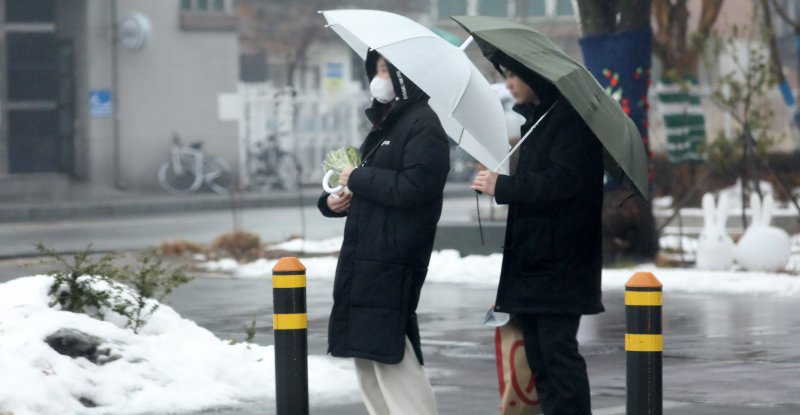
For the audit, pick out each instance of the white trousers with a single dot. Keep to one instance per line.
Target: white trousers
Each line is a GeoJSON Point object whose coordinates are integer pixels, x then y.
{"type": "Point", "coordinates": [398, 389]}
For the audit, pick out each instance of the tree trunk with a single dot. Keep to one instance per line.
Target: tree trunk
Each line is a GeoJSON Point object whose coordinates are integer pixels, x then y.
{"type": "Point", "coordinates": [598, 16]}
{"type": "Point", "coordinates": [617, 52]}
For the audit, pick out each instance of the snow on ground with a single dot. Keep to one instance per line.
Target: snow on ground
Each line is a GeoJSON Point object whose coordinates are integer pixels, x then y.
{"type": "Point", "coordinates": [325, 246]}
{"type": "Point", "coordinates": [673, 245]}
{"type": "Point", "coordinates": [172, 366]}
{"type": "Point", "coordinates": [448, 266]}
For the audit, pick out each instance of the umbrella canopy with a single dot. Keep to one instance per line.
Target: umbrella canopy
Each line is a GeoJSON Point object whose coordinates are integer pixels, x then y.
{"type": "Point", "coordinates": [448, 36]}
{"type": "Point", "coordinates": [467, 106]}
{"type": "Point", "coordinates": [625, 157]}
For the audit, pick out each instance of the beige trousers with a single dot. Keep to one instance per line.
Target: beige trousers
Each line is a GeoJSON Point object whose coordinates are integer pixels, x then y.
{"type": "Point", "coordinates": [398, 389]}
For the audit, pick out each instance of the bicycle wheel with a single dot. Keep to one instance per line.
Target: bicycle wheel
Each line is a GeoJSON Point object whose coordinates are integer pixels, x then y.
{"type": "Point", "coordinates": [181, 182]}
{"type": "Point", "coordinates": [288, 172]}
{"type": "Point", "coordinates": [217, 174]}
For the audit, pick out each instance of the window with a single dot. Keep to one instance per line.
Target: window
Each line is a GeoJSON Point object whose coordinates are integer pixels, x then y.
{"type": "Point", "coordinates": [536, 8]}
{"type": "Point", "coordinates": [564, 8]}
{"type": "Point", "coordinates": [532, 8]}
{"type": "Point", "coordinates": [253, 68]}
{"type": "Point", "coordinates": [216, 6]}
{"type": "Point", "coordinates": [452, 8]}
{"type": "Point", "coordinates": [207, 15]}
{"type": "Point", "coordinates": [29, 11]}
{"type": "Point", "coordinates": [493, 8]}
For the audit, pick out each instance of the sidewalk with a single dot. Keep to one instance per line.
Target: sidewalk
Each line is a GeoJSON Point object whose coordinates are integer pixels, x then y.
{"type": "Point", "coordinates": [86, 203]}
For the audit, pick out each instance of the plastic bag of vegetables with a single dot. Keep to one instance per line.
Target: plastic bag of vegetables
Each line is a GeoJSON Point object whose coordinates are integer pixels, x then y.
{"type": "Point", "coordinates": [335, 163]}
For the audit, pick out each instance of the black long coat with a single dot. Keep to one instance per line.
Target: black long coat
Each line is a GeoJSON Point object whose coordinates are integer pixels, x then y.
{"type": "Point", "coordinates": [388, 236]}
{"type": "Point", "coordinates": [553, 249]}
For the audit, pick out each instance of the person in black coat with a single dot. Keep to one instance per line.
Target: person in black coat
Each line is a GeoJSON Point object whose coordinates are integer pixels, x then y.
{"type": "Point", "coordinates": [552, 258]}
{"type": "Point", "coordinates": [391, 222]}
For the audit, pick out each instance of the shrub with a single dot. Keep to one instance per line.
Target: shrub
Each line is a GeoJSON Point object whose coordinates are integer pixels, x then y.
{"type": "Point", "coordinates": [78, 285]}
{"type": "Point", "coordinates": [94, 286]}
{"type": "Point", "coordinates": [180, 248]}
{"type": "Point", "coordinates": [241, 245]}
{"type": "Point", "coordinates": [150, 280]}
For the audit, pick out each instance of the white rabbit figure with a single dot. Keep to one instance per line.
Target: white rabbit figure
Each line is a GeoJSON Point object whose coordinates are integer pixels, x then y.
{"type": "Point", "coordinates": [763, 247]}
{"type": "Point", "coordinates": [714, 247]}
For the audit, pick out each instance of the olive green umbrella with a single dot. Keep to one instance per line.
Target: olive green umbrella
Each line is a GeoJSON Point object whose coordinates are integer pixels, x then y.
{"type": "Point", "coordinates": [625, 157]}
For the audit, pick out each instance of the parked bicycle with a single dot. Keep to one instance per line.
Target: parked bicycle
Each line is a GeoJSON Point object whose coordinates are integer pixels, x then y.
{"type": "Point", "coordinates": [189, 168]}
{"type": "Point", "coordinates": [272, 168]}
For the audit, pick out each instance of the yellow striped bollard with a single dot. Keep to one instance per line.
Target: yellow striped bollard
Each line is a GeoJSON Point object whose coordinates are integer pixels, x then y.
{"type": "Point", "coordinates": [290, 324]}
{"type": "Point", "coordinates": [643, 345]}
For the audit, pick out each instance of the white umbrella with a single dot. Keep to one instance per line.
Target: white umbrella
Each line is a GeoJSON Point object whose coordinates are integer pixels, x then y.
{"type": "Point", "coordinates": [468, 108]}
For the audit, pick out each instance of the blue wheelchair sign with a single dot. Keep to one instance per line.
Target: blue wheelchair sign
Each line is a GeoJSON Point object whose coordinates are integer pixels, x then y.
{"type": "Point", "coordinates": [100, 103]}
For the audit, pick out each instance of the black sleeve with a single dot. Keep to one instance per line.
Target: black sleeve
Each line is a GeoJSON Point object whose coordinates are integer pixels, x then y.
{"type": "Point", "coordinates": [322, 205]}
{"type": "Point", "coordinates": [574, 156]}
{"type": "Point", "coordinates": [426, 163]}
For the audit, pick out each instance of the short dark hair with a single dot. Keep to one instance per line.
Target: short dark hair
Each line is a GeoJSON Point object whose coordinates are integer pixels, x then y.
{"type": "Point", "coordinates": [544, 89]}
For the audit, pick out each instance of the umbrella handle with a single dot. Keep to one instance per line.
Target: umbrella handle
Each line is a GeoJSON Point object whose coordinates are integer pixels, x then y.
{"type": "Point", "coordinates": [326, 184]}
{"type": "Point", "coordinates": [522, 140]}
{"type": "Point", "coordinates": [466, 43]}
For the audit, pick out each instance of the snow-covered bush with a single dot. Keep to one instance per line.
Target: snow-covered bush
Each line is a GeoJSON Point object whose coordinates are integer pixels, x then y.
{"type": "Point", "coordinates": [150, 280]}
{"type": "Point", "coordinates": [96, 286]}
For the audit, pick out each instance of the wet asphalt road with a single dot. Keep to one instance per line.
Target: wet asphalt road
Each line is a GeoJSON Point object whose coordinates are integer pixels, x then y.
{"type": "Point", "coordinates": [723, 354]}
{"type": "Point", "coordinates": [139, 232]}
{"type": "Point", "coordinates": [732, 354]}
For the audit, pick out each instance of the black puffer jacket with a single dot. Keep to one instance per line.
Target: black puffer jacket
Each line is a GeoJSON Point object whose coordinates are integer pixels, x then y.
{"type": "Point", "coordinates": [553, 252]}
{"type": "Point", "coordinates": [391, 224]}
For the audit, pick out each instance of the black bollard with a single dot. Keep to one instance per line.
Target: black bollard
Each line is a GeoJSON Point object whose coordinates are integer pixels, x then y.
{"type": "Point", "coordinates": [643, 345]}
{"type": "Point", "coordinates": [291, 343]}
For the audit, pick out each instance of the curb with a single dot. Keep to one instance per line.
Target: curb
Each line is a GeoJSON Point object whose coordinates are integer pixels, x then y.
{"type": "Point", "coordinates": [147, 205]}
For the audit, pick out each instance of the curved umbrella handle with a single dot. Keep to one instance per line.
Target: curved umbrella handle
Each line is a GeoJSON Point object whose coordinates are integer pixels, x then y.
{"type": "Point", "coordinates": [326, 186]}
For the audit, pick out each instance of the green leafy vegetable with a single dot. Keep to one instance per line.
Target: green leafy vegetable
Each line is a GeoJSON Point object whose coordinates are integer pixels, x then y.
{"type": "Point", "coordinates": [338, 160]}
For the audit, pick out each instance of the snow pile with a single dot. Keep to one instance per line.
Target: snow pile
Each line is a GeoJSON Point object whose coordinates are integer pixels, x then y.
{"type": "Point", "coordinates": [672, 245]}
{"type": "Point", "coordinates": [714, 282]}
{"type": "Point", "coordinates": [448, 266]}
{"type": "Point", "coordinates": [172, 366]}
{"type": "Point", "coordinates": [325, 246]}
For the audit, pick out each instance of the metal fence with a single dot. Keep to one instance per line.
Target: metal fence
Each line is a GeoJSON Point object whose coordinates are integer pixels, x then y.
{"type": "Point", "coordinates": [303, 123]}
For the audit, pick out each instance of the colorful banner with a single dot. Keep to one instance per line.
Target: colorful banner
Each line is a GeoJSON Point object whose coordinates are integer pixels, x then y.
{"type": "Point", "coordinates": [621, 63]}
{"type": "Point", "coordinates": [684, 121]}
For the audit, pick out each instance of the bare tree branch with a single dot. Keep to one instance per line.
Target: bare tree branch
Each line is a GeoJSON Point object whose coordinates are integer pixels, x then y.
{"type": "Point", "coordinates": [785, 16]}
{"type": "Point", "coordinates": [670, 41]}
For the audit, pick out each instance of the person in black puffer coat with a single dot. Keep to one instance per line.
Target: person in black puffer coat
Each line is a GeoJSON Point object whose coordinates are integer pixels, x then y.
{"type": "Point", "coordinates": [392, 216]}
{"type": "Point", "coordinates": [552, 255]}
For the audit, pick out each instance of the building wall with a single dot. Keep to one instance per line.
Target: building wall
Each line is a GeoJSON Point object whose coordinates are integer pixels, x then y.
{"type": "Point", "coordinates": [3, 95]}
{"type": "Point", "coordinates": [89, 26]}
{"type": "Point", "coordinates": [170, 86]}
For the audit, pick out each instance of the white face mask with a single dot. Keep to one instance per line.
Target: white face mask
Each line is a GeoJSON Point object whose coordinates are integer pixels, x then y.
{"type": "Point", "coordinates": [382, 89]}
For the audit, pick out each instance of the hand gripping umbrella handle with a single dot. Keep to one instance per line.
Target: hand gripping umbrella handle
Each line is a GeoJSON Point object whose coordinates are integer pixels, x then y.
{"type": "Point", "coordinates": [326, 184]}
{"type": "Point", "coordinates": [522, 140]}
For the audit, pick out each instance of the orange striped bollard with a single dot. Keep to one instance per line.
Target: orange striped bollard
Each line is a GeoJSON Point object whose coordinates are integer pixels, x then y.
{"type": "Point", "coordinates": [290, 324]}
{"type": "Point", "coordinates": [643, 345]}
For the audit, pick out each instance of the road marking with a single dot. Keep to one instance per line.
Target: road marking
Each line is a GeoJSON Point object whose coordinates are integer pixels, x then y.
{"type": "Point", "coordinates": [289, 281]}
{"type": "Point", "coordinates": [644, 342]}
{"type": "Point", "coordinates": [620, 410]}
{"type": "Point", "coordinates": [643, 298]}
{"type": "Point", "coordinates": [297, 321]}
